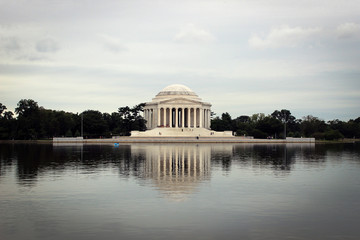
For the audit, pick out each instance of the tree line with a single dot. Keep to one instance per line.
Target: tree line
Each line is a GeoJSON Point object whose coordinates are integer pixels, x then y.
{"type": "Point", "coordinates": [35, 122]}
{"type": "Point", "coordinates": [282, 123]}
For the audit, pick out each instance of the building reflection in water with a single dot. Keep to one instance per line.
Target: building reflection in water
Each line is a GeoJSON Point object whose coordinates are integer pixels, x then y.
{"type": "Point", "coordinates": [175, 170]}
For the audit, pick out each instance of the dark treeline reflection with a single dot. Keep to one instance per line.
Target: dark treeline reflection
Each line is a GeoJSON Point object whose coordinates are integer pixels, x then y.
{"type": "Point", "coordinates": [32, 160]}
{"type": "Point", "coordinates": [158, 161]}
{"type": "Point", "coordinates": [276, 157]}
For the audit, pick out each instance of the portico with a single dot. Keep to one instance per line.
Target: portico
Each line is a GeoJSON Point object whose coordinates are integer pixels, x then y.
{"type": "Point", "coordinates": [176, 116]}
{"type": "Point", "coordinates": [177, 111]}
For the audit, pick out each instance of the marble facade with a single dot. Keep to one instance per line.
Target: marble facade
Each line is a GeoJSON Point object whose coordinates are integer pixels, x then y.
{"type": "Point", "coordinates": [178, 111]}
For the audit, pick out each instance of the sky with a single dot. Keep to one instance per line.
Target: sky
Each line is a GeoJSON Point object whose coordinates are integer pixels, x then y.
{"type": "Point", "coordinates": [243, 57]}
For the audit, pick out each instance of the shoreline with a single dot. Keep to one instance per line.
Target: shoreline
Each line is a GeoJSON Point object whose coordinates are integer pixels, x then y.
{"type": "Point", "coordinates": [130, 140]}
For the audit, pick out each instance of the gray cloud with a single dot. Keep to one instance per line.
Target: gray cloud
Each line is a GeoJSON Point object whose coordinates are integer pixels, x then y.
{"type": "Point", "coordinates": [112, 44]}
{"type": "Point", "coordinates": [210, 45]}
{"type": "Point", "coordinates": [47, 45]}
{"type": "Point", "coordinates": [193, 34]}
{"type": "Point", "coordinates": [284, 36]}
{"type": "Point", "coordinates": [348, 30]}
{"type": "Point", "coordinates": [10, 44]}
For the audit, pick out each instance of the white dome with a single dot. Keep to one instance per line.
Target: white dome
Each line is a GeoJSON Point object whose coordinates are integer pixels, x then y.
{"type": "Point", "coordinates": [176, 89]}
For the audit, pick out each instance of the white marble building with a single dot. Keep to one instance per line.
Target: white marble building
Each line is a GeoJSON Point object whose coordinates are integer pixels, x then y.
{"type": "Point", "coordinates": [178, 111]}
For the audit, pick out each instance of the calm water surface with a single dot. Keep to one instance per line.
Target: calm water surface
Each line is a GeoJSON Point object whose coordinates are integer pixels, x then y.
{"type": "Point", "coordinates": [182, 191]}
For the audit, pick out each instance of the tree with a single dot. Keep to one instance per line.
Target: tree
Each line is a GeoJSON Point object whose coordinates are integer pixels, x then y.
{"type": "Point", "coordinates": [7, 115]}
{"type": "Point", "coordinates": [223, 124]}
{"type": "Point", "coordinates": [311, 126]}
{"type": "Point", "coordinates": [6, 123]}
{"type": "Point", "coordinates": [26, 107]}
{"type": "Point", "coordinates": [131, 119]}
{"type": "Point", "coordinates": [28, 122]}
{"type": "Point", "coordinates": [333, 135]}
{"type": "Point", "coordinates": [94, 123]}
{"type": "Point", "coordinates": [243, 125]}
{"type": "Point", "coordinates": [243, 119]}
{"type": "Point", "coordinates": [270, 126]}
{"type": "Point", "coordinates": [257, 117]}
{"type": "Point", "coordinates": [284, 116]}
{"type": "Point", "coordinates": [2, 108]}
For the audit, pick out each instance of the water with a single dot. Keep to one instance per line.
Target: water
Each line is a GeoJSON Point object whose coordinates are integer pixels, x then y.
{"type": "Point", "coordinates": [182, 191]}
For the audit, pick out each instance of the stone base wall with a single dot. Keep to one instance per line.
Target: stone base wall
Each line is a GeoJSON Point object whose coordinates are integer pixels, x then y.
{"type": "Point", "coordinates": [180, 132]}
{"type": "Point", "coordinates": [68, 139]}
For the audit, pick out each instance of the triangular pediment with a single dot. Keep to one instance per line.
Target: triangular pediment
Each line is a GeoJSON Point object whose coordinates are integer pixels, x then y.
{"type": "Point", "coordinates": [180, 100]}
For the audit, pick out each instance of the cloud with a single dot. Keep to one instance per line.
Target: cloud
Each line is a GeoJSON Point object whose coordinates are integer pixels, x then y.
{"type": "Point", "coordinates": [9, 44]}
{"type": "Point", "coordinates": [193, 34]}
{"type": "Point", "coordinates": [348, 30]}
{"type": "Point", "coordinates": [112, 44]}
{"type": "Point", "coordinates": [47, 45]}
{"type": "Point", "coordinates": [284, 36]}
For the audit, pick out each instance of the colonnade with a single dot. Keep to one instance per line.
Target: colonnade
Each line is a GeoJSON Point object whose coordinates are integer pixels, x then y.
{"type": "Point", "coordinates": [178, 164]}
{"type": "Point", "coordinates": [177, 117]}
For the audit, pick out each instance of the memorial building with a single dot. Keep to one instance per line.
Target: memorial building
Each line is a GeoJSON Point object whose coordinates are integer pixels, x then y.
{"type": "Point", "coordinates": [178, 111]}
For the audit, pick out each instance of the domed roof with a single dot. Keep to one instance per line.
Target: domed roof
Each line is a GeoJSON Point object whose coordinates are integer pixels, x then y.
{"type": "Point", "coordinates": [176, 89]}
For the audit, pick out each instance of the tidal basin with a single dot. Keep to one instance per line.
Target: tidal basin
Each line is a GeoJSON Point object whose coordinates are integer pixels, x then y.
{"type": "Point", "coordinates": [179, 191]}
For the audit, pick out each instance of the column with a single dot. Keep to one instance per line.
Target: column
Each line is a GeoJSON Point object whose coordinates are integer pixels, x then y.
{"type": "Point", "coordinates": [182, 117]}
{"type": "Point", "coordinates": [209, 118]}
{"type": "Point", "coordinates": [176, 118]}
{"type": "Point", "coordinates": [195, 117]}
{"type": "Point", "coordinates": [151, 118]}
{"type": "Point", "coordinates": [157, 117]}
{"type": "Point", "coordinates": [170, 113]}
{"type": "Point", "coordinates": [205, 118]}
{"type": "Point", "coordinates": [145, 116]}
{"type": "Point", "coordinates": [206, 121]}
{"type": "Point", "coordinates": [201, 112]}
{"type": "Point", "coordinates": [191, 117]}
{"type": "Point", "coordinates": [163, 116]}
{"type": "Point", "coordinates": [188, 117]}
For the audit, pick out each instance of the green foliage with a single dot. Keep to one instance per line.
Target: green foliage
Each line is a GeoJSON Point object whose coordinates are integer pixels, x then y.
{"type": "Point", "coordinates": [26, 107]}
{"type": "Point", "coordinates": [68, 133]}
{"type": "Point", "coordinates": [223, 124]}
{"type": "Point", "coordinates": [311, 126]}
{"type": "Point", "coordinates": [94, 124]}
{"type": "Point", "coordinates": [34, 122]}
{"type": "Point", "coordinates": [2, 108]}
{"type": "Point", "coordinates": [270, 126]}
{"type": "Point", "coordinates": [284, 116]}
{"type": "Point", "coordinates": [130, 119]}
{"type": "Point", "coordinates": [7, 123]}
{"type": "Point", "coordinates": [256, 133]}
{"type": "Point", "coordinates": [261, 126]}
{"type": "Point", "coordinates": [333, 135]}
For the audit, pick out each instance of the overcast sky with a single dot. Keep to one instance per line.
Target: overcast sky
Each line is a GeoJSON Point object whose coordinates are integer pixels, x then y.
{"type": "Point", "coordinates": [243, 57]}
